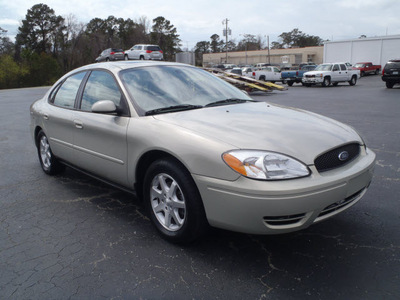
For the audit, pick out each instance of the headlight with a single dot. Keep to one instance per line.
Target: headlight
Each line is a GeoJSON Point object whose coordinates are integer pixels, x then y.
{"type": "Point", "coordinates": [264, 165]}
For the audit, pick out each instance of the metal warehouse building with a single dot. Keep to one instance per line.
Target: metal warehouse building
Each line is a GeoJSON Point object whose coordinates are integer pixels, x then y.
{"type": "Point", "coordinates": [377, 50]}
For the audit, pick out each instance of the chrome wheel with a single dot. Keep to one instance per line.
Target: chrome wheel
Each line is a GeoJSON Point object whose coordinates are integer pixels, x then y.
{"type": "Point", "coordinates": [168, 202]}
{"type": "Point", "coordinates": [45, 153]}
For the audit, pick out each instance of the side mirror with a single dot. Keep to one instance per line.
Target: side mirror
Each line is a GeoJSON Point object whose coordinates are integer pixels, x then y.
{"type": "Point", "coordinates": [104, 107]}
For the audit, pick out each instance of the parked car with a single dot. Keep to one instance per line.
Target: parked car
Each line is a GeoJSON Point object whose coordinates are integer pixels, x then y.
{"type": "Point", "coordinates": [237, 71]}
{"type": "Point", "coordinates": [328, 73]}
{"type": "Point", "coordinates": [270, 73]}
{"type": "Point", "coordinates": [199, 151]}
{"type": "Point", "coordinates": [293, 76]}
{"type": "Point", "coordinates": [367, 68]}
{"type": "Point", "coordinates": [144, 52]}
{"type": "Point", "coordinates": [110, 54]}
{"type": "Point", "coordinates": [248, 71]}
{"type": "Point", "coordinates": [391, 73]}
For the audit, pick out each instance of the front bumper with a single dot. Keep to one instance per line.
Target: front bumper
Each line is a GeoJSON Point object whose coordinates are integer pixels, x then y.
{"type": "Point", "coordinates": [272, 207]}
{"type": "Point", "coordinates": [313, 80]}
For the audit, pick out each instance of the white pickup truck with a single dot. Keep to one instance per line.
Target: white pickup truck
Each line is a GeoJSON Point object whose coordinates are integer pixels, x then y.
{"type": "Point", "coordinates": [331, 73]}
{"type": "Point", "coordinates": [269, 73]}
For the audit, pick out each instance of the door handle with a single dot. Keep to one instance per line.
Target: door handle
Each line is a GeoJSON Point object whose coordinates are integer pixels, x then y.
{"type": "Point", "coordinates": [46, 117]}
{"type": "Point", "coordinates": [78, 124]}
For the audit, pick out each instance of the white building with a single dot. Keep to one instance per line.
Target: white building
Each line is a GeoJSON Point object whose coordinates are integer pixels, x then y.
{"type": "Point", "coordinates": [377, 50]}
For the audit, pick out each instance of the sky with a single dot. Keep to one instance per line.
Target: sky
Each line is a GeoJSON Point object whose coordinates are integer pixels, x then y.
{"type": "Point", "coordinates": [196, 21]}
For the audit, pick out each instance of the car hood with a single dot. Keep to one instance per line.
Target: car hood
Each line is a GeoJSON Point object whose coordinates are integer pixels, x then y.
{"type": "Point", "coordinates": [315, 72]}
{"type": "Point", "coordinates": [261, 126]}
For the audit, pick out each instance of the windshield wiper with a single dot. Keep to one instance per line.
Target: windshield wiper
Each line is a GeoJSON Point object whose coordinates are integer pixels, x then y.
{"type": "Point", "coordinates": [228, 101]}
{"type": "Point", "coordinates": [173, 108]}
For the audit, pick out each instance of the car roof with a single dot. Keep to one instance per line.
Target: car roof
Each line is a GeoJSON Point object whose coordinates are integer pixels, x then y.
{"type": "Point", "coordinates": [116, 66]}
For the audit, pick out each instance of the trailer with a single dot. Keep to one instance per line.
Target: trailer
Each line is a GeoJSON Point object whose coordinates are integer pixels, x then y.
{"type": "Point", "coordinates": [246, 83]}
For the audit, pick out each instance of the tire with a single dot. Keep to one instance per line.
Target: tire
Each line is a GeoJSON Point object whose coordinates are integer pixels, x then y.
{"type": "Point", "coordinates": [389, 85]}
{"type": "Point", "coordinates": [362, 74]}
{"type": "Point", "coordinates": [141, 58]}
{"type": "Point", "coordinates": [173, 202]}
{"type": "Point", "coordinates": [49, 163]}
{"type": "Point", "coordinates": [290, 83]}
{"type": "Point", "coordinates": [326, 82]}
{"type": "Point", "coordinates": [335, 83]}
{"type": "Point", "coordinates": [376, 71]}
{"type": "Point", "coordinates": [302, 83]}
{"type": "Point", "coordinates": [126, 57]}
{"type": "Point", "coordinates": [107, 59]}
{"type": "Point", "coordinates": [353, 80]}
{"type": "Point", "coordinates": [262, 78]}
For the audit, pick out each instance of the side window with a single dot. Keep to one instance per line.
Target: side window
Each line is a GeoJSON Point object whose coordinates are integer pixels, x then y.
{"type": "Point", "coordinates": [276, 70]}
{"type": "Point", "coordinates": [335, 68]}
{"type": "Point", "coordinates": [343, 67]}
{"type": "Point", "coordinates": [100, 86]}
{"type": "Point", "coordinates": [66, 94]}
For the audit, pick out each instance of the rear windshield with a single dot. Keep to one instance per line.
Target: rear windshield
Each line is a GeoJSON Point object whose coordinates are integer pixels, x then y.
{"type": "Point", "coordinates": [393, 65]}
{"type": "Point", "coordinates": [117, 50]}
{"type": "Point", "coordinates": [153, 48]}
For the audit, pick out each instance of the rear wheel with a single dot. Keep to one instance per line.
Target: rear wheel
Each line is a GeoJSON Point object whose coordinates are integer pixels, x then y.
{"type": "Point", "coordinates": [141, 57]}
{"type": "Point", "coordinates": [173, 202]}
{"type": "Point", "coordinates": [389, 85]}
{"type": "Point", "coordinates": [362, 74]}
{"type": "Point", "coordinates": [290, 83]}
{"type": "Point", "coordinates": [50, 164]}
{"type": "Point", "coordinates": [126, 57]}
{"type": "Point", "coordinates": [376, 71]}
{"type": "Point", "coordinates": [262, 78]}
{"type": "Point", "coordinates": [353, 80]}
{"type": "Point", "coordinates": [326, 82]}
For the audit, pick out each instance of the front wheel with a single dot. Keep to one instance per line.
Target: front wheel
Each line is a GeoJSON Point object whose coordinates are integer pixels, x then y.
{"type": "Point", "coordinates": [49, 163]}
{"type": "Point", "coordinates": [126, 57]}
{"type": "Point", "coordinates": [326, 82]}
{"type": "Point", "coordinates": [353, 80]}
{"type": "Point", "coordinates": [173, 202]}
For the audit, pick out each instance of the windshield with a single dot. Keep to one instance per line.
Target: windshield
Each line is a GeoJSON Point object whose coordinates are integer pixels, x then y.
{"type": "Point", "coordinates": [359, 66]}
{"type": "Point", "coordinates": [157, 87]}
{"type": "Point", "coordinates": [323, 67]}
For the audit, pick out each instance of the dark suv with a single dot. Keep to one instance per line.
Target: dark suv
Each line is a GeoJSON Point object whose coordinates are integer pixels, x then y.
{"type": "Point", "coordinates": [391, 73]}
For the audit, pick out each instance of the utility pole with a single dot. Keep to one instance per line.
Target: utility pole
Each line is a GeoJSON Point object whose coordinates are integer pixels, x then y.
{"type": "Point", "coordinates": [227, 31]}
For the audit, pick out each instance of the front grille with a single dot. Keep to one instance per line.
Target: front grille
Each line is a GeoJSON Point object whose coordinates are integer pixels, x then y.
{"type": "Point", "coordinates": [283, 220]}
{"type": "Point", "coordinates": [310, 76]}
{"type": "Point", "coordinates": [337, 157]}
{"type": "Point", "coordinates": [338, 205]}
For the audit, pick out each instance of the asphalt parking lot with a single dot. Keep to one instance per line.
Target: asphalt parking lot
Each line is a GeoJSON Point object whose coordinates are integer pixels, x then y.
{"type": "Point", "coordinates": [72, 237]}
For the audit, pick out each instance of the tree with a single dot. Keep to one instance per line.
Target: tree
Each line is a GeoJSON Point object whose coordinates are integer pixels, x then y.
{"type": "Point", "coordinates": [250, 42]}
{"type": "Point", "coordinates": [216, 44]}
{"type": "Point", "coordinates": [201, 48]}
{"type": "Point", "coordinates": [40, 29]}
{"type": "Point", "coordinates": [6, 46]}
{"type": "Point", "coordinates": [165, 35]}
{"type": "Point", "coordinates": [297, 38]}
{"type": "Point", "coordinates": [10, 72]}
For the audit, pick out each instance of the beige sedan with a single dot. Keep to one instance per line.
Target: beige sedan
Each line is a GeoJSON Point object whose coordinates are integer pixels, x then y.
{"type": "Point", "coordinates": [198, 151]}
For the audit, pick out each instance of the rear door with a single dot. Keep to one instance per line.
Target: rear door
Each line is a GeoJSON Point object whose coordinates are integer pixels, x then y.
{"type": "Point", "coordinates": [100, 139]}
{"type": "Point", "coordinates": [58, 121]}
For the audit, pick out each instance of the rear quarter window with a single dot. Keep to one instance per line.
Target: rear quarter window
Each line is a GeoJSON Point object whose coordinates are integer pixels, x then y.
{"type": "Point", "coordinates": [66, 94]}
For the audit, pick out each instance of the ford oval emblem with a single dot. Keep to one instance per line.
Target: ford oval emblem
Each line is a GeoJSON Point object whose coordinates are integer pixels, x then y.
{"type": "Point", "coordinates": [343, 155]}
